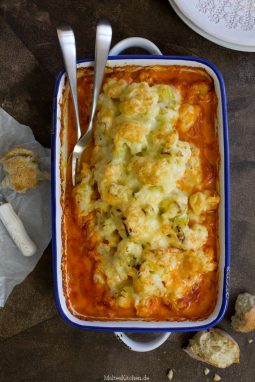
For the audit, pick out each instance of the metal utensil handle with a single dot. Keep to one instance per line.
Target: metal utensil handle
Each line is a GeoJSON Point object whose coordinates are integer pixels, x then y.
{"type": "Point", "coordinates": [16, 230]}
{"type": "Point", "coordinates": [103, 43]}
{"type": "Point", "coordinates": [68, 47]}
{"type": "Point", "coordinates": [135, 42]}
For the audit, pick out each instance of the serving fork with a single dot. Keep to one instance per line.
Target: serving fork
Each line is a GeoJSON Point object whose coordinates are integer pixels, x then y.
{"type": "Point", "coordinates": [102, 47]}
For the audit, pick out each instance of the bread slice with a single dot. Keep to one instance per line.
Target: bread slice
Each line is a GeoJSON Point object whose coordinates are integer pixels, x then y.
{"type": "Point", "coordinates": [244, 318]}
{"type": "Point", "coordinates": [21, 168]}
{"type": "Point", "coordinates": [214, 347]}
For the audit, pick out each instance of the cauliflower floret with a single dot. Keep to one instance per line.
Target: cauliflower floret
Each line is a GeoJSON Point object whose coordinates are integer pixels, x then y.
{"type": "Point", "coordinates": [203, 201]}
{"type": "Point", "coordinates": [175, 204]}
{"type": "Point", "coordinates": [164, 136]}
{"type": "Point", "coordinates": [83, 198]}
{"type": "Point", "coordinates": [156, 173]}
{"type": "Point", "coordinates": [131, 250]}
{"type": "Point", "coordinates": [169, 102]}
{"type": "Point", "coordinates": [131, 133]}
{"type": "Point", "coordinates": [199, 89]}
{"type": "Point", "coordinates": [110, 187]}
{"type": "Point", "coordinates": [121, 266]}
{"type": "Point", "coordinates": [83, 192]}
{"type": "Point", "coordinates": [164, 171]}
{"type": "Point", "coordinates": [125, 300]}
{"type": "Point", "coordinates": [114, 88]}
{"type": "Point", "coordinates": [169, 96]}
{"type": "Point", "coordinates": [104, 121]}
{"type": "Point", "coordinates": [188, 115]}
{"type": "Point", "coordinates": [194, 237]}
{"type": "Point", "coordinates": [149, 198]}
{"type": "Point", "coordinates": [107, 111]}
{"type": "Point", "coordinates": [182, 236]}
{"type": "Point", "coordinates": [193, 174]}
{"type": "Point", "coordinates": [140, 225]}
{"type": "Point", "coordinates": [171, 272]}
{"type": "Point", "coordinates": [139, 99]}
{"type": "Point", "coordinates": [116, 271]}
{"type": "Point", "coordinates": [150, 279]}
{"type": "Point", "coordinates": [108, 173]}
{"type": "Point", "coordinates": [108, 230]}
{"type": "Point", "coordinates": [115, 194]}
{"type": "Point", "coordinates": [180, 154]}
{"type": "Point", "coordinates": [201, 261]}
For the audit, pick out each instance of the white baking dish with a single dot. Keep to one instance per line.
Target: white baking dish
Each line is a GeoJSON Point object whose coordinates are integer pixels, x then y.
{"type": "Point", "coordinates": [140, 325]}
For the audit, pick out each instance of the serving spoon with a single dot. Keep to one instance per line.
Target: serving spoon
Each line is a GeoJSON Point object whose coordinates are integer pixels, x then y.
{"type": "Point", "coordinates": [68, 47]}
{"type": "Point", "coordinates": [103, 43]}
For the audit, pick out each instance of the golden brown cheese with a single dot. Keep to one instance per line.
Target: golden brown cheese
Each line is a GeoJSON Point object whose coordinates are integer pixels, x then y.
{"type": "Point", "coordinates": [145, 200]}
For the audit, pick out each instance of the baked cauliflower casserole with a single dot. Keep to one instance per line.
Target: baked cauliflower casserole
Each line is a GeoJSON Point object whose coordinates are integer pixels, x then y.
{"type": "Point", "coordinates": [140, 227]}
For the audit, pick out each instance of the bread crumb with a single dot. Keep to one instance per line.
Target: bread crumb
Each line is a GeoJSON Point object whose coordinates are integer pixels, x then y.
{"type": "Point", "coordinates": [216, 377]}
{"type": "Point", "coordinates": [206, 371]}
{"type": "Point", "coordinates": [250, 341]}
{"type": "Point", "coordinates": [170, 375]}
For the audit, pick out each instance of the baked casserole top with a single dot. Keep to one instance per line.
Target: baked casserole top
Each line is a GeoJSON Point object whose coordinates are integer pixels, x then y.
{"type": "Point", "coordinates": [145, 209]}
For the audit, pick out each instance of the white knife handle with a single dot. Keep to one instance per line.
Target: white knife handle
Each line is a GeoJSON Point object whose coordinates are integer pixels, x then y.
{"type": "Point", "coordinates": [16, 230]}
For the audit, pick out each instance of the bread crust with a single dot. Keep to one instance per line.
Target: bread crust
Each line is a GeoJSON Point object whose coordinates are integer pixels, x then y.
{"type": "Point", "coordinates": [250, 321]}
{"type": "Point", "coordinates": [19, 151]}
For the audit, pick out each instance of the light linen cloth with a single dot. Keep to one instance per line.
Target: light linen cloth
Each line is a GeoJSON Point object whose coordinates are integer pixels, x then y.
{"type": "Point", "coordinates": [33, 207]}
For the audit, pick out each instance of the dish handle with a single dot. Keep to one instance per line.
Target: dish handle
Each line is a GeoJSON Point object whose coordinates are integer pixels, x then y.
{"type": "Point", "coordinates": [141, 346]}
{"type": "Point", "coordinates": [135, 42]}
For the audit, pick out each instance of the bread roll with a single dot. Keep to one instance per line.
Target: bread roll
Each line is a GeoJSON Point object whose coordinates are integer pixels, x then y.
{"type": "Point", "coordinates": [21, 168]}
{"type": "Point", "coordinates": [214, 347]}
{"type": "Point", "coordinates": [244, 318]}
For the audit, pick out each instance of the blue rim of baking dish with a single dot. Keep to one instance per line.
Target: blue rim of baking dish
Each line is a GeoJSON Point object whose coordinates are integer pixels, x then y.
{"type": "Point", "coordinates": [226, 194]}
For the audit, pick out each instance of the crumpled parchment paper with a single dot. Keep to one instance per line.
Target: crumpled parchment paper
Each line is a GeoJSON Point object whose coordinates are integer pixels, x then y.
{"type": "Point", "coordinates": [33, 207]}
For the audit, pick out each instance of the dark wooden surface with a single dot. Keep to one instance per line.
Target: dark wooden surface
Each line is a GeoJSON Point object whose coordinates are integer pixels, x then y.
{"type": "Point", "coordinates": [35, 344]}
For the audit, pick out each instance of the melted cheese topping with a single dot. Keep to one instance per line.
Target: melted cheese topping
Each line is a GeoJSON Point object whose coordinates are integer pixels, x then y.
{"type": "Point", "coordinates": [139, 188]}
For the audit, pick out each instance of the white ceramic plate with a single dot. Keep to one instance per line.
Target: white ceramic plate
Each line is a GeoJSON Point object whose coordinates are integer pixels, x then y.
{"type": "Point", "coordinates": [227, 23]}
